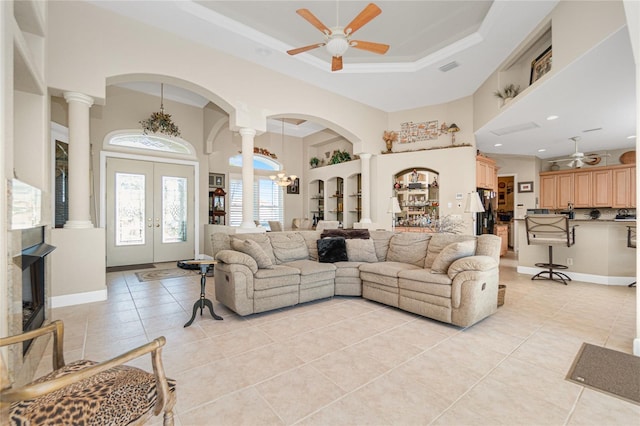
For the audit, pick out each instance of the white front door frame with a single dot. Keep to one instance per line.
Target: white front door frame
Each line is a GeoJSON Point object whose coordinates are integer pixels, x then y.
{"type": "Point", "coordinates": [103, 185]}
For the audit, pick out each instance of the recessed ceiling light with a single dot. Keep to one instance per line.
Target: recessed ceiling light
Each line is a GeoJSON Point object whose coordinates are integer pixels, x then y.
{"type": "Point", "coordinates": [552, 117]}
{"type": "Point", "coordinates": [498, 144]}
{"type": "Point", "coordinates": [262, 51]}
{"type": "Point", "coordinates": [631, 137]}
{"type": "Point", "coordinates": [542, 150]}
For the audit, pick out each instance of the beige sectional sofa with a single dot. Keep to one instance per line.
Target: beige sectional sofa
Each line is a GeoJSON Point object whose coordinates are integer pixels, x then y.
{"type": "Point", "coordinates": [450, 278]}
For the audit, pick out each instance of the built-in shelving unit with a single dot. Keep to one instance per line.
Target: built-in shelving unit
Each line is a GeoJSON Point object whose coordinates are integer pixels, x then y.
{"type": "Point", "coordinates": [355, 197]}
{"type": "Point", "coordinates": [418, 197]}
{"type": "Point", "coordinates": [317, 201]}
{"type": "Point", "coordinates": [335, 192]}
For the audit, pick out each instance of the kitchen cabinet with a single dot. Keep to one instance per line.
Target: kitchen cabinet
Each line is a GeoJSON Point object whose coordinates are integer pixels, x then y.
{"type": "Point", "coordinates": [623, 187]}
{"type": "Point", "coordinates": [602, 190]}
{"type": "Point", "coordinates": [582, 190]}
{"type": "Point", "coordinates": [564, 191]}
{"type": "Point", "coordinates": [548, 192]}
{"type": "Point", "coordinates": [612, 186]}
{"type": "Point", "coordinates": [486, 173]}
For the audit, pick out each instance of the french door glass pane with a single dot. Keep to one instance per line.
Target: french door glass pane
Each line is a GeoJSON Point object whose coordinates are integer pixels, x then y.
{"type": "Point", "coordinates": [174, 209]}
{"type": "Point", "coordinates": [130, 209]}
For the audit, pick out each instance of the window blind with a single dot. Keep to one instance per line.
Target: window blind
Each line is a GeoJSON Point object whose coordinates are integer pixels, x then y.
{"type": "Point", "coordinates": [267, 200]}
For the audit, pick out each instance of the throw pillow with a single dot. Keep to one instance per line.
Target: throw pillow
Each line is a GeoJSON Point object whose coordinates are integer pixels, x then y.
{"type": "Point", "coordinates": [439, 241]}
{"type": "Point", "coordinates": [331, 250]}
{"type": "Point", "coordinates": [262, 240]}
{"type": "Point", "coordinates": [359, 250]}
{"type": "Point", "coordinates": [450, 254]}
{"type": "Point", "coordinates": [254, 250]}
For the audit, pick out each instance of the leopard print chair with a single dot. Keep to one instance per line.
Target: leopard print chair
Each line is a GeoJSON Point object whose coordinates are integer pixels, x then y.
{"type": "Point", "coordinates": [88, 393]}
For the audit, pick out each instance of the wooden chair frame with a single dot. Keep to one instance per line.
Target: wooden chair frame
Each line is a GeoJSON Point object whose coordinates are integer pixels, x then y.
{"type": "Point", "coordinates": [165, 401]}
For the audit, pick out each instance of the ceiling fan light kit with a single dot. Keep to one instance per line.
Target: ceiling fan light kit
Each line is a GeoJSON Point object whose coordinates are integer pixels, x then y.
{"type": "Point", "coordinates": [579, 159]}
{"type": "Point", "coordinates": [338, 39]}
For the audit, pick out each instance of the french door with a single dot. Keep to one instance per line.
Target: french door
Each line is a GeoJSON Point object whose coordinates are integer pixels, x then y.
{"type": "Point", "coordinates": [150, 212]}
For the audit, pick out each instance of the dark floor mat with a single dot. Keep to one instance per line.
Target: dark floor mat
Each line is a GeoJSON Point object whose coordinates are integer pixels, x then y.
{"type": "Point", "coordinates": [612, 372]}
{"type": "Point", "coordinates": [130, 267]}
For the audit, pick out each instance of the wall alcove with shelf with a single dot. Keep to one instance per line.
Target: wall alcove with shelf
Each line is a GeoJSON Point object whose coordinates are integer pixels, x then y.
{"type": "Point", "coordinates": [417, 190]}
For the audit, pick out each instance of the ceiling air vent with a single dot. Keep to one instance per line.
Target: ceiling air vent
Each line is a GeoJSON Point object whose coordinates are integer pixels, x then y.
{"type": "Point", "coordinates": [515, 129]}
{"type": "Point", "coordinates": [592, 130]}
{"type": "Point", "coordinates": [449, 66]}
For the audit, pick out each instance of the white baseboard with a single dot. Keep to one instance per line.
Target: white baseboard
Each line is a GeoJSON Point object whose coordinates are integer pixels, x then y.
{"type": "Point", "coordinates": [577, 276]}
{"type": "Point", "coordinates": [78, 298]}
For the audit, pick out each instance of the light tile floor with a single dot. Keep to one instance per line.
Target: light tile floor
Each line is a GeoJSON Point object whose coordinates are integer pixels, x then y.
{"type": "Point", "coordinates": [349, 361]}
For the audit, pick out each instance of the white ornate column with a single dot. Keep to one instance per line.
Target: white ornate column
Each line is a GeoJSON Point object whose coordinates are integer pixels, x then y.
{"type": "Point", "coordinates": [365, 164]}
{"type": "Point", "coordinates": [247, 177]}
{"type": "Point", "coordinates": [79, 160]}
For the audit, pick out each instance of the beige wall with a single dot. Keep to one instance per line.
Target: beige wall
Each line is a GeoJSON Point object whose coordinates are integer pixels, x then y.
{"type": "Point", "coordinates": [249, 92]}
{"type": "Point", "coordinates": [576, 26]}
{"type": "Point", "coordinates": [525, 169]}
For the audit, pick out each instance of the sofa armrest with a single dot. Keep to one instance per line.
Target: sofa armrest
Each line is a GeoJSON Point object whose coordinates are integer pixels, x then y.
{"type": "Point", "coordinates": [472, 263]}
{"type": "Point", "coordinates": [232, 256]}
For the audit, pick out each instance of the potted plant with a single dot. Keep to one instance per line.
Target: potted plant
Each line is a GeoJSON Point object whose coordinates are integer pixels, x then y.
{"type": "Point", "coordinates": [339, 157]}
{"type": "Point", "coordinates": [314, 162]}
{"type": "Point", "coordinates": [509, 92]}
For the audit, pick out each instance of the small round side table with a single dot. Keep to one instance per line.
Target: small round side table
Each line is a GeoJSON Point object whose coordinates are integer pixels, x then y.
{"type": "Point", "coordinates": [203, 301]}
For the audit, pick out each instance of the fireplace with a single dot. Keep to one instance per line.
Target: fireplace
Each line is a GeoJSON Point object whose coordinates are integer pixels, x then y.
{"type": "Point", "coordinates": [34, 250]}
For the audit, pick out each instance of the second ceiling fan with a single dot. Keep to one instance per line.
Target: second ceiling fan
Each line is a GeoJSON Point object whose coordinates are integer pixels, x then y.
{"type": "Point", "coordinates": [338, 39]}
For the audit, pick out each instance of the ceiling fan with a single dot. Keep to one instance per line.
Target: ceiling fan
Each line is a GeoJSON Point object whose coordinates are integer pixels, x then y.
{"type": "Point", "coordinates": [579, 159]}
{"type": "Point", "coordinates": [338, 39]}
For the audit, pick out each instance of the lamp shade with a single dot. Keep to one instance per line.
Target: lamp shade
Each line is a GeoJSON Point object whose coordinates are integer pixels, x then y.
{"type": "Point", "coordinates": [453, 128]}
{"type": "Point", "coordinates": [394, 206]}
{"type": "Point", "coordinates": [474, 204]}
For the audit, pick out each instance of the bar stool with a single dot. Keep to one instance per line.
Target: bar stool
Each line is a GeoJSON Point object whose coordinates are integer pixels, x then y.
{"type": "Point", "coordinates": [550, 230]}
{"type": "Point", "coordinates": [631, 242]}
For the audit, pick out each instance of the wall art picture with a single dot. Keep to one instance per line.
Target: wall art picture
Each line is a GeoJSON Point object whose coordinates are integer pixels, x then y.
{"type": "Point", "coordinates": [541, 65]}
{"type": "Point", "coordinates": [525, 187]}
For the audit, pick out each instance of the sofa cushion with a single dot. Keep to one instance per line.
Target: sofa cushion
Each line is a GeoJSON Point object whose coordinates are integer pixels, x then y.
{"type": "Point", "coordinates": [278, 276]}
{"type": "Point", "coordinates": [262, 240]}
{"type": "Point", "coordinates": [408, 247]}
{"type": "Point", "coordinates": [384, 273]}
{"type": "Point", "coordinates": [288, 246]}
{"type": "Point", "coordinates": [439, 242]}
{"type": "Point", "coordinates": [472, 263]}
{"type": "Point", "coordinates": [332, 250]}
{"type": "Point", "coordinates": [220, 241]}
{"type": "Point", "coordinates": [348, 269]}
{"type": "Point", "coordinates": [232, 256]}
{"type": "Point", "coordinates": [254, 250]}
{"type": "Point", "coordinates": [489, 245]}
{"type": "Point", "coordinates": [381, 242]}
{"type": "Point", "coordinates": [312, 271]}
{"type": "Point", "coordinates": [346, 233]}
{"type": "Point", "coordinates": [310, 238]}
{"type": "Point", "coordinates": [359, 250]}
{"type": "Point", "coordinates": [420, 279]}
{"type": "Point", "coordinates": [451, 253]}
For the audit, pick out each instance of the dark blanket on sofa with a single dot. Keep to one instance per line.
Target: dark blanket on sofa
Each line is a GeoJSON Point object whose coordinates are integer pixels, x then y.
{"type": "Point", "coordinates": [346, 233]}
